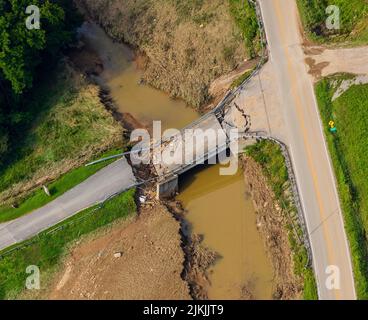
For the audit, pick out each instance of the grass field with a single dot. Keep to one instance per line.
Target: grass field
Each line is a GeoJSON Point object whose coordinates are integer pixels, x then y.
{"type": "Point", "coordinates": [349, 152]}
{"type": "Point", "coordinates": [47, 249]}
{"type": "Point", "coordinates": [353, 21]}
{"type": "Point", "coordinates": [66, 182]}
{"type": "Point", "coordinates": [269, 156]}
{"type": "Point", "coordinates": [67, 126]}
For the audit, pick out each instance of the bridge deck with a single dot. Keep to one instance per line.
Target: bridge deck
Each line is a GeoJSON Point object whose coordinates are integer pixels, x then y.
{"type": "Point", "coordinates": [193, 146]}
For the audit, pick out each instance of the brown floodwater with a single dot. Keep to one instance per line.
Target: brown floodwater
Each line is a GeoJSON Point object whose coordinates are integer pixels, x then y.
{"type": "Point", "coordinates": [122, 76]}
{"type": "Point", "coordinates": [219, 207]}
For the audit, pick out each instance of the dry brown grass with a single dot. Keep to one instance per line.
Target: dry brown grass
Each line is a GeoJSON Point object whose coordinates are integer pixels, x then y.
{"type": "Point", "coordinates": [188, 43]}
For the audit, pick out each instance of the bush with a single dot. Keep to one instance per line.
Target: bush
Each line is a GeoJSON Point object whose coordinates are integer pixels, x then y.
{"type": "Point", "coordinates": [21, 49]}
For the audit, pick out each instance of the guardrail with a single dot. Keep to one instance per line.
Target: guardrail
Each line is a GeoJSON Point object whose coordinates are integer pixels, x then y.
{"type": "Point", "coordinates": [219, 109]}
{"type": "Point", "coordinates": [300, 217]}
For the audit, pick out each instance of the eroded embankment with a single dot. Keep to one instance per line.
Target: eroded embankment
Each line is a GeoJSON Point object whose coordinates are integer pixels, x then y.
{"type": "Point", "coordinates": [195, 267]}
{"type": "Point", "coordinates": [198, 258]}
{"type": "Point", "coordinates": [150, 265]}
{"type": "Point", "coordinates": [186, 45]}
{"type": "Point", "coordinates": [272, 224]}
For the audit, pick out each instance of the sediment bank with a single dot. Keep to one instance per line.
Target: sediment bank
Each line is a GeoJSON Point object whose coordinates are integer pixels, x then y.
{"type": "Point", "coordinates": [186, 46]}
{"type": "Point", "coordinates": [272, 224]}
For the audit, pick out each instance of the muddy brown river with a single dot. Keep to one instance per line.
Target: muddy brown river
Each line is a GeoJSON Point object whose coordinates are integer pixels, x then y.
{"type": "Point", "coordinates": [219, 207]}
{"type": "Point", "coordinates": [122, 76]}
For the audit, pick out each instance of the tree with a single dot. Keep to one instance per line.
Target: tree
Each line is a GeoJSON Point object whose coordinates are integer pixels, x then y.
{"type": "Point", "coordinates": [21, 49]}
{"type": "Point", "coordinates": [24, 55]}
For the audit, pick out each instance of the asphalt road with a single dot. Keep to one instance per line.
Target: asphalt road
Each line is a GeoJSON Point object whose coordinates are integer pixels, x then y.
{"type": "Point", "coordinates": [309, 154]}
{"type": "Point", "coordinates": [114, 178]}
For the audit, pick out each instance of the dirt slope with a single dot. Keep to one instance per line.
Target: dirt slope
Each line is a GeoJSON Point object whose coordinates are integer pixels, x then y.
{"type": "Point", "coordinates": [150, 266]}
{"type": "Point", "coordinates": [272, 225]}
{"type": "Point", "coordinates": [187, 44]}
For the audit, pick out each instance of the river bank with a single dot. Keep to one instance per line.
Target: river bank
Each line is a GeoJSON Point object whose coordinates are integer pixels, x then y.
{"type": "Point", "coordinates": [150, 265]}
{"type": "Point", "coordinates": [272, 225]}
{"type": "Point", "coordinates": [185, 45]}
{"type": "Point", "coordinates": [202, 257]}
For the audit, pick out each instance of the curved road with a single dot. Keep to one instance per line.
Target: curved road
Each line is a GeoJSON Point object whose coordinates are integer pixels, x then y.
{"type": "Point", "coordinates": [308, 150]}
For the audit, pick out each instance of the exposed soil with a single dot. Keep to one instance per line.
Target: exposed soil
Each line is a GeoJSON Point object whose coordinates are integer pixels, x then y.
{"type": "Point", "coordinates": [150, 265]}
{"type": "Point", "coordinates": [311, 50]}
{"type": "Point", "coordinates": [221, 85]}
{"type": "Point", "coordinates": [198, 258]}
{"type": "Point", "coordinates": [146, 257]}
{"type": "Point", "coordinates": [344, 60]}
{"type": "Point", "coordinates": [272, 224]}
{"type": "Point", "coordinates": [186, 46]}
{"type": "Point", "coordinates": [315, 69]}
{"type": "Point", "coordinates": [325, 62]}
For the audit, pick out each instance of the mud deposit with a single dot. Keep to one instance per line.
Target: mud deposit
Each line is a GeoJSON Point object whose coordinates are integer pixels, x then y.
{"type": "Point", "coordinates": [272, 223]}
{"type": "Point", "coordinates": [149, 267]}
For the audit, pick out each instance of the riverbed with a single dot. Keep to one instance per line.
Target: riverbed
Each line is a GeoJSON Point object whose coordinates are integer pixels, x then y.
{"type": "Point", "coordinates": [122, 76]}
{"type": "Point", "coordinates": [221, 208]}
{"type": "Point", "coordinates": [218, 207]}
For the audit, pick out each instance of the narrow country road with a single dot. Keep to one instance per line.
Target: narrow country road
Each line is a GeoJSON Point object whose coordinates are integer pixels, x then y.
{"type": "Point", "coordinates": [309, 154]}
{"type": "Point", "coordinates": [112, 179]}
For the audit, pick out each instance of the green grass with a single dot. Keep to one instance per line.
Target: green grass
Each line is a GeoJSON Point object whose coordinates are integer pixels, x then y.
{"type": "Point", "coordinates": [57, 188]}
{"type": "Point", "coordinates": [237, 82]}
{"type": "Point", "coordinates": [268, 154]}
{"type": "Point", "coordinates": [353, 21]}
{"type": "Point", "coordinates": [245, 18]}
{"type": "Point", "coordinates": [47, 250]}
{"type": "Point", "coordinates": [66, 123]}
{"type": "Point", "coordinates": [348, 149]}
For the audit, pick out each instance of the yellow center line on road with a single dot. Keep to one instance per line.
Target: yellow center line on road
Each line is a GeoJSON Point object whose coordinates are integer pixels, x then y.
{"type": "Point", "coordinates": [299, 108]}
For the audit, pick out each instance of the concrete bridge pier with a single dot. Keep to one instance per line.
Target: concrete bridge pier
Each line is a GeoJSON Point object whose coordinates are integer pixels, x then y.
{"type": "Point", "coordinates": [167, 188]}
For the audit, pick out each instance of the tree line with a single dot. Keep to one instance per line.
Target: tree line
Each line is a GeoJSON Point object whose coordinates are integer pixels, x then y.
{"type": "Point", "coordinates": [25, 54]}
